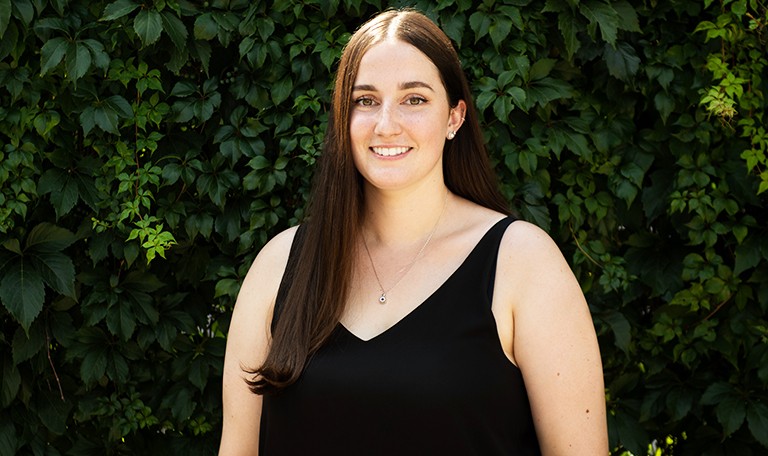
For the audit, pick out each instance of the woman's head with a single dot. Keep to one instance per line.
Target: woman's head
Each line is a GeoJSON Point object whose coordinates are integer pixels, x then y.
{"type": "Point", "coordinates": [464, 158]}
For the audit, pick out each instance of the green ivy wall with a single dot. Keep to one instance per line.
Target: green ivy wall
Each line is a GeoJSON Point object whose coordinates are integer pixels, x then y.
{"type": "Point", "coordinates": [150, 149]}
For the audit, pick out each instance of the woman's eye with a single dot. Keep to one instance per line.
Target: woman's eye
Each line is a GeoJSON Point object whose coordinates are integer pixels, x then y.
{"type": "Point", "coordinates": [364, 101]}
{"type": "Point", "coordinates": [415, 101]}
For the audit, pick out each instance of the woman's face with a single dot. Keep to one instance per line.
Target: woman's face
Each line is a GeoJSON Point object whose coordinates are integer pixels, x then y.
{"type": "Point", "coordinates": [400, 117]}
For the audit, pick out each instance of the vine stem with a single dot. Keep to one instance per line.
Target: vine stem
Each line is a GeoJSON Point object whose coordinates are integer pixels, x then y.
{"type": "Point", "coordinates": [578, 244]}
{"type": "Point", "coordinates": [716, 309]}
{"type": "Point", "coordinates": [50, 361]}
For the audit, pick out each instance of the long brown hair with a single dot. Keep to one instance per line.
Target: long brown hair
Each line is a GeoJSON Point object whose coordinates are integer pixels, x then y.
{"type": "Point", "coordinates": [323, 255]}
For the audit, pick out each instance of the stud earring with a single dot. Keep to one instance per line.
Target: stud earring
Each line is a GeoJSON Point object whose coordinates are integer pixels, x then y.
{"type": "Point", "coordinates": [451, 134]}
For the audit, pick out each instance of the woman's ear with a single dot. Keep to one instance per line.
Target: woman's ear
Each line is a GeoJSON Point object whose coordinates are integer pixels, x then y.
{"type": "Point", "coordinates": [456, 118]}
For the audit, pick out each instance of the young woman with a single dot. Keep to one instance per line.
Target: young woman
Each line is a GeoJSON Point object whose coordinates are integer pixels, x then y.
{"type": "Point", "coordinates": [410, 314]}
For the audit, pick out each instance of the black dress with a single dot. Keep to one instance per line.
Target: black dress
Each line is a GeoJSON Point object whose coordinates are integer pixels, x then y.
{"type": "Point", "coordinates": [435, 383]}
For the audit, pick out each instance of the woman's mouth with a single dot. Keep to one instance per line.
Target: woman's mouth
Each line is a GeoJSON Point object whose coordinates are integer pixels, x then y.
{"type": "Point", "coordinates": [390, 151]}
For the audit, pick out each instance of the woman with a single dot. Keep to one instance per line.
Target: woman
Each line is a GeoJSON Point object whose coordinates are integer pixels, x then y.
{"type": "Point", "coordinates": [409, 314]}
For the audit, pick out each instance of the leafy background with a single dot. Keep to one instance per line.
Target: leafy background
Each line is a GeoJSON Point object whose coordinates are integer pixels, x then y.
{"type": "Point", "coordinates": [150, 148]}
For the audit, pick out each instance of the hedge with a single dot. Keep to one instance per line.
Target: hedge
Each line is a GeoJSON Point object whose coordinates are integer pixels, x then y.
{"type": "Point", "coordinates": [150, 149]}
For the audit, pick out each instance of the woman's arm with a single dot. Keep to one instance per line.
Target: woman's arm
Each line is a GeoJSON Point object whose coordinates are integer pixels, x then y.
{"type": "Point", "coordinates": [554, 344]}
{"type": "Point", "coordinates": [247, 346]}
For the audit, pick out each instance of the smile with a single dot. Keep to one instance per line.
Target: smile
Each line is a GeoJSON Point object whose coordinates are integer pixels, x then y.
{"type": "Point", "coordinates": [389, 151]}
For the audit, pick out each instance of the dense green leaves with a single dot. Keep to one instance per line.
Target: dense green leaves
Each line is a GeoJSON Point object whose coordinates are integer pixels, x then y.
{"type": "Point", "coordinates": [150, 149]}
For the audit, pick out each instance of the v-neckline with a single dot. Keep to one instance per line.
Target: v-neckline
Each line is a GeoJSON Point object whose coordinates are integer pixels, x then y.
{"type": "Point", "coordinates": [408, 316]}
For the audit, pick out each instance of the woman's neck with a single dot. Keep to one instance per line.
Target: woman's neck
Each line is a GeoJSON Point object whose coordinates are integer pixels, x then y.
{"type": "Point", "coordinates": [397, 218]}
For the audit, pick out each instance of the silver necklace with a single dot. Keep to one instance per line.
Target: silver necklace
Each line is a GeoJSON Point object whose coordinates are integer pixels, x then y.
{"type": "Point", "coordinates": [383, 297]}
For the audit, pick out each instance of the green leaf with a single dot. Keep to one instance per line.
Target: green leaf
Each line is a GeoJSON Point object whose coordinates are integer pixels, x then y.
{"type": "Point", "coordinates": [25, 11]}
{"type": "Point", "coordinates": [175, 29]}
{"type": "Point", "coordinates": [757, 419]}
{"type": "Point", "coordinates": [622, 61]}
{"type": "Point", "coordinates": [9, 436]}
{"type": "Point", "coordinates": [78, 61]}
{"type": "Point", "coordinates": [28, 344]}
{"type": "Point", "coordinates": [627, 16]}
{"type": "Point", "coordinates": [716, 393]}
{"type": "Point", "coordinates": [52, 53]}
{"type": "Point", "coordinates": [541, 69]}
{"type": "Point", "coordinates": [731, 412]}
{"type": "Point", "coordinates": [747, 257]}
{"type": "Point", "coordinates": [620, 328]}
{"type": "Point", "coordinates": [49, 238]}
{"type": "Point", "coordinates": [281, 90]}
{"type": "Point", "coordinates": [58, 271]}
{"type": "Point", "coordinates": [121, 321]}
{"type": "Point", "coordinates": [480, 22]}
{"type": "Point", "coordinates": [10, 380]}
{"type": "Point", "coordinates": [148, 25]}
{"type": "Point", "coordinates": [22, 293]}
{"type": "Point", "coordinates": [603, 15]}
{"type": "Point", "coordinates": [499, 30]}
{"type": "Point", "coordinates": [53, 411]}
{"type": "Point", "coordinates": [5, 16]}
{"type": "Point", "coordinates": [118, 9]}
{"type": "Point", "coordinates": [206, 27]}
{"type": "Point", "coordinates": [664, 104]}
{"type": "Point", "coordinates": [567, 24]}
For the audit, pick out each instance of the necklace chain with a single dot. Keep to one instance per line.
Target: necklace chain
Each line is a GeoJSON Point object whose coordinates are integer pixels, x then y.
{"type": "Point", "coordinates": [383, 297]}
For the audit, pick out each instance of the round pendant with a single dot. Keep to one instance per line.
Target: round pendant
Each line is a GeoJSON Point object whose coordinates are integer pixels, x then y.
{"type": "Point", "coordinates": [383, 298]}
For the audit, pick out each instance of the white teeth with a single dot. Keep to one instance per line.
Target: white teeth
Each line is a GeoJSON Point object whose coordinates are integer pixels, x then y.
{"type": "Point", "coordinates": [389, 151]}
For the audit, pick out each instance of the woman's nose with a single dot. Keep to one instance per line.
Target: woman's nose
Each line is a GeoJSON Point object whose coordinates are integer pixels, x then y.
{"type": "Point", "coordinates": [388, 121]}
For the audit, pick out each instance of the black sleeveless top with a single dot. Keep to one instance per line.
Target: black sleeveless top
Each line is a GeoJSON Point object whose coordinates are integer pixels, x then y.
{"type": "Point", "coordinates": [435, 383]}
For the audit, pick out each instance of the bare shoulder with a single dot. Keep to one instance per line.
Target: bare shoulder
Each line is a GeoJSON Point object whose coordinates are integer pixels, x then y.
{"type": "Point", "coordinates": [524, 238]}
{"type": "Point", "coordinates": [529, 254]}
{"type": "Point", "coordinates": [267, 269]}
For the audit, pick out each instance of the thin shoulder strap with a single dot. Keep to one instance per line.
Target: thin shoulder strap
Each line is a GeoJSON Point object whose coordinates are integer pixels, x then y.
{"type": "Point", "coordinates": [290, 269]}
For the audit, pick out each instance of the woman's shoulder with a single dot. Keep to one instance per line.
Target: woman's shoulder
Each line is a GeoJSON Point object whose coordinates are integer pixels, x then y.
{"type": "Point", "coordinates": [267, 269]}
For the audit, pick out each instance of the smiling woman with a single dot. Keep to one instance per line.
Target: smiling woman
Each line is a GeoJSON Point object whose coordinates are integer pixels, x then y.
{"type": "Point", "coordinates": [409, 313]}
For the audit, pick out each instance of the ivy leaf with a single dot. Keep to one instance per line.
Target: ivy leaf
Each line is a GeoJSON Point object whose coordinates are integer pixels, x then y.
{"type": "Point", "coordinates": [47, 237]}
{"type": "Point", "coordinates": [747, 257]}
{"type": "Point", "coordinates": [28, 344]}
{"type": "Point", "coordinates": [621, 329]}
{"type": "Point", "coordinates": [78, 61]}
{"type": "Point", "coordinates": [10, 379]}
{"type": "Point", "coordinates": [22, 292]}
{"type": "Point", "coordinates": [716, 393]}
{"type": "Point", "coordinates": [731, 412]}
{"type": "Point", "coordinates": [106, 114]}
{"type": "Point", "coordinates": [757, 419]}
{"type": "Point", "coordinates": [622, 61]}
{"type": "Point", "coordinates": [120, 320]}
{"type": "Point", "coordinates": [148, 25]}
{"type": "Point", "coordinates": [664, 104]}
{"type": "Point", "coordinates": [206, 27]}
{"type": "Point", "coordinates": [281, 90]}
{"type": "Point", "coordinates": [118, 9]}
{"type": "Point", "coordinates": [57, 271]}
{"type": "Point", "coordinates": [63, 190]}
{"type": "Point", "coordinates": [602, 15]}
{"type": "Point", "coordinates": [98, 53]}
{"type": "Point", "coordinates": [627, 16]}
{"type": "Point", "coordinates": [480, 22]}
{"type": "Point", "coordinates": [499, 30]}
{"type": "Point", "coordinates": [175, 29]}
{"type": "Point", "coordinates": [52, 53]}
{"type": "Point", "coordinates": [5, 15]}
{"type": "Point", "coordinates": [567, 24]}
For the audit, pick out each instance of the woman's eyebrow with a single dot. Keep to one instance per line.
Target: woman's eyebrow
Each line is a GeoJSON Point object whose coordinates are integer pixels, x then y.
{"type": "Point", "coordinates": [415, 85]}
{"type": "Point", "coordinates": [403, 86]}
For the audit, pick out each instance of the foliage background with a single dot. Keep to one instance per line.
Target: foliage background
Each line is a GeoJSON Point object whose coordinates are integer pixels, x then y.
{"type": "Point", "coordinates": [149, 150]}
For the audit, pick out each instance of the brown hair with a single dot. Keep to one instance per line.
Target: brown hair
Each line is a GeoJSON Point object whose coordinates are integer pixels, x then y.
{"type": "Point", "coordinates": [321, 267]}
